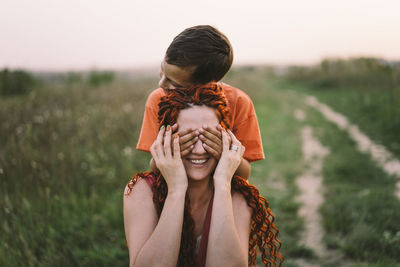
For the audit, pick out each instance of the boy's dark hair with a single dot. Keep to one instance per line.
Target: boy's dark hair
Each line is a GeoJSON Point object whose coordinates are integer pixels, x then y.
{"type": "Point", "coordinates": [206, 48]}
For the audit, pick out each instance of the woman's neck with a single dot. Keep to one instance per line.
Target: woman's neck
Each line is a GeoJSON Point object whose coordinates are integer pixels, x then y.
{"type": "Point", "coordinates": [200, 193]}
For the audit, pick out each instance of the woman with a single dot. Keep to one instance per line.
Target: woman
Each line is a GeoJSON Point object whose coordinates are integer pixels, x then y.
{"type": "Point", "coordinates": [195, 212]}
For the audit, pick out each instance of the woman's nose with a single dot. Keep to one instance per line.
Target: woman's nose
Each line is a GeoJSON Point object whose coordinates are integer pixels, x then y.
{"type": "Point", "coordinates": [198, 148]}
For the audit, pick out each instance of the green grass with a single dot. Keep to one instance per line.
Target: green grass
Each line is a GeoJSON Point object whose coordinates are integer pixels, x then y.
{"type": "Point", "coordinates": [361, 213]}
{"type": "Point", "coordinates": [275, 176]}
{"type": "Point", "coordinates": [375, 110]}
{"type": "Point", "coordinates": [67, 153]}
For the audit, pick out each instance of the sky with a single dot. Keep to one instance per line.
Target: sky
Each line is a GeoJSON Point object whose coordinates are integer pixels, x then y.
{"type": "Point", "coordinates": [129, 34]}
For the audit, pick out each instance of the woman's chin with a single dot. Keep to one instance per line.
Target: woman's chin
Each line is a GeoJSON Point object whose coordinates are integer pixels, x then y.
{"type": "Point", "coordinates": [198, 174]}
{"type": "Point", "coordinates": [197, 178]}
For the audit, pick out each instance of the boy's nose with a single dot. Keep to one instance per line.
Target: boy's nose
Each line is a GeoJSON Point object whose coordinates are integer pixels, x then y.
{"type": "Point", "coordinates": [164, 84]}
{"type": "Point", "coordinates": [161, 83]}
{"type": "Point", "coordinates": [198, 148]}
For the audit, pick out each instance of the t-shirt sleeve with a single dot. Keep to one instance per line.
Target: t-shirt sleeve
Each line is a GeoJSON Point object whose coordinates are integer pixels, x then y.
{"type": "Point", "coordinates": [149, 130]}
{"type": "Point", "coordinates": [246, 129]}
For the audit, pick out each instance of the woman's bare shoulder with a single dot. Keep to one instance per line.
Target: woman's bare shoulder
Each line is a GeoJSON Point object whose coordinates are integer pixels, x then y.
{"type": "Point", "coordinates": [140, 191]}
{"type": "Point", "coordinates": [140, 216]}
{"type": "Point", "coordinates": [139, 209]}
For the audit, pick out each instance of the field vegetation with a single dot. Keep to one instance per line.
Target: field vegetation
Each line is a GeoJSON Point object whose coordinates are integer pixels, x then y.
{"type": "Point", "coordinates": [66, 154]}
{"type": "Point", "coordinates": [366, 90]}
{"type": "Point", "coordinates": [68, 149]}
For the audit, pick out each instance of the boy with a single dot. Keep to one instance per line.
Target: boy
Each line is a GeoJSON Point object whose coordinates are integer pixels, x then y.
{"type": "Point", "coordinates": [199, 55]}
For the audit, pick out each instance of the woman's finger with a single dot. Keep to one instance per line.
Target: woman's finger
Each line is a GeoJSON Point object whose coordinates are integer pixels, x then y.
{"type": "Point", "coordinates": [153, 152]}
{"type": "Point", "coordinates": [235, 143]}
{"type": "Point", "coordinates": [219, 129]}
{"type": "Point", "coordinates": [229, 137]}
{"type": "Point", "coordinates": [167, 142]}
{"type": "Point", "coordinates": [160, 135]}
{"type": "Point", "coordinates": [177, 152]}
{"type": "Point", "coordinates": [157, 145]}
{"type": "Point", "coordinates": [233, 137]}
{"type": "Point", "coordinates": [174, 127]}
{"type": "Point", "coordinates": [225, 143]}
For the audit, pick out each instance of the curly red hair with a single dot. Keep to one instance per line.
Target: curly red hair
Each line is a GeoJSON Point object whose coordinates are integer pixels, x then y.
{"type": "Point", "coordinates": [210, 95]}
{"type": "Point", "coordinates": [263, 234]}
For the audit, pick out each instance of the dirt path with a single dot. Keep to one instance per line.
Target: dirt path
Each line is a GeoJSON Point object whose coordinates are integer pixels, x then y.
{"type": "Point", "coordinates": [310, 186]}
{"type": "Point", "coordinates": [384, 159]}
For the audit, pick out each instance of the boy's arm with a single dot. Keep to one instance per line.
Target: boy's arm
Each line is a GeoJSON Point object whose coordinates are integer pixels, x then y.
{"type": "Point", "coordinates": [150, 126]}
{"type": "Point", "coordinates": [244, 123]}
{"type": "Point", "coordinates": [244, 169]}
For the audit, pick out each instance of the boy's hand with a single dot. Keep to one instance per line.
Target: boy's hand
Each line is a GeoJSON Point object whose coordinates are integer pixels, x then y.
{"type": "Point", "coordinates": [187, 139]}
{"type": "Point", "coordinates": [212, 139]}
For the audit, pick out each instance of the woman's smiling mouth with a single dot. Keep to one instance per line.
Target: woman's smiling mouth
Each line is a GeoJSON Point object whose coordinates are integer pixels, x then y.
{"type": "Point", "coordinates": [197, 161]}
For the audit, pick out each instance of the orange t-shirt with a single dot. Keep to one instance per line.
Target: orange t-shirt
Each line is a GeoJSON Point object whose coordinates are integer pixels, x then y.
{"type": "Point", "coordinates": [242, 117]}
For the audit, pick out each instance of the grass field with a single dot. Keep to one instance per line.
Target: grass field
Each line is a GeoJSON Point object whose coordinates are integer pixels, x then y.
{"type": "Point", "coordinates": [67, 151]}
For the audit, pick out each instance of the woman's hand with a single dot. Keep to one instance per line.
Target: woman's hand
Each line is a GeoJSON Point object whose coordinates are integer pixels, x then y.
{"type": "Point", "coordinates": [212, 140]}
{"type": "Point", "coordinates": [231, 157]}
{"type": "Point", "coordinates": [168, 160]}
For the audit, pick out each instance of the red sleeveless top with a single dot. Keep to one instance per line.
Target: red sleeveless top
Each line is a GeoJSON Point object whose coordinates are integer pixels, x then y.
{"type": "Point", "coordinates": [202, 255]}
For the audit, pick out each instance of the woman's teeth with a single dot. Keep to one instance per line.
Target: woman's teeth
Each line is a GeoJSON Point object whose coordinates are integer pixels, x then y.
{"type": "Point", "coordinates": [198, 161]}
